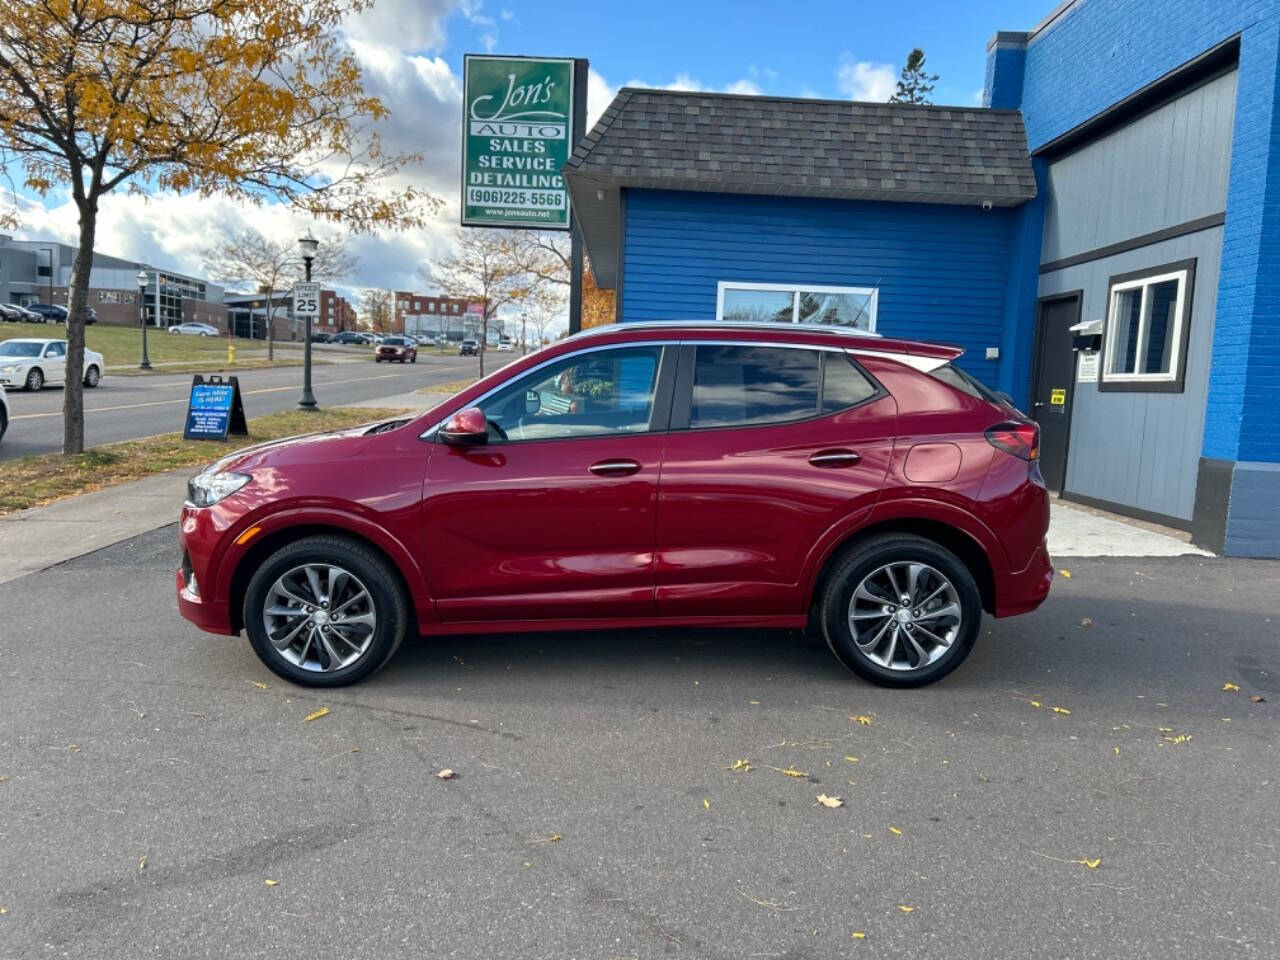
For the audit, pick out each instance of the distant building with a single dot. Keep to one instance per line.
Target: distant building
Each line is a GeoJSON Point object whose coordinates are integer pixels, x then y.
{"type": "Point", "coordinates": [336, 314]}
{"type": "Point", "coordinates": [39, 271]}
{"type": "Point", "coordinates": [248, 313]}
{"type": "Point", "coordinates": [452, 317]}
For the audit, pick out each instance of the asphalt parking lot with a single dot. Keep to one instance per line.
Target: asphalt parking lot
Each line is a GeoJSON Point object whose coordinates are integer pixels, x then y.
{"type": "Point", "coordinates": [164, 795]}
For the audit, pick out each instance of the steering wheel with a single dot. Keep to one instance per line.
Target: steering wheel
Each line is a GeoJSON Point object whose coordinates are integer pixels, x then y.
{"type": "Point", "coordinates": [493, 425]}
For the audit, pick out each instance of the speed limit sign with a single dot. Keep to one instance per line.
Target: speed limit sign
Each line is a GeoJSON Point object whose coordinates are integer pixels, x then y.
{"type": "Point", "coordinates": [306, 300]}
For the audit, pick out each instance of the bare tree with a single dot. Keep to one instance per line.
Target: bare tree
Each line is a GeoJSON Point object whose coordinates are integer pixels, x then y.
{"type": "Point", "coordinates": [257, 100]}
{"type": "Point", "coordinates": [545, 305]}
{"type": "Point", "coordinates": [375, 307]}
{"type": "Point", "coordinates": [269, 265]}
{"type": "Point", "coordinates": [485, 265]}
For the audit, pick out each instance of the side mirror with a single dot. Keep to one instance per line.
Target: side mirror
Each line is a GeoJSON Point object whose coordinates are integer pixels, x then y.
{"type": "Point", "coordinates": [466, 428]}
{"type": "Point", "coordinates": [532, 401]}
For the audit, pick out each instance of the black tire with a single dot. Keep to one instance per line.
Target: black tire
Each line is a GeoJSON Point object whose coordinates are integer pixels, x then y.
{"type": "Point", "coordinates": [92, 377]}
{"type": "Point", "coordinates": [414, 359]}
{"type": "Point", "coordinates": [35, 379]}
{"type": "Point", "coordinates": [865, 559]}
{"type": "Point", "coordinates": [390, 605]}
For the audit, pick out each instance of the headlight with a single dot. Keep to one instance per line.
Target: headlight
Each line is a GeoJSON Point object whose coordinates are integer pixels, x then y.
{"type": "Point", "coordinates": [11, 368]}
{"type": "Point", "coordinates": [206, 489]}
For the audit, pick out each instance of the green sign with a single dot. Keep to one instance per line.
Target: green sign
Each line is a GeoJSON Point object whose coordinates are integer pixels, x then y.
{"type": "Point", "coordinates": [517, 132]}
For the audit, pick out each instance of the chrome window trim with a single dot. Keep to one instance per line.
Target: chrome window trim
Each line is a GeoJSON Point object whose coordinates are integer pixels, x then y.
{"type": "Point", "coordinates": [708, 325]}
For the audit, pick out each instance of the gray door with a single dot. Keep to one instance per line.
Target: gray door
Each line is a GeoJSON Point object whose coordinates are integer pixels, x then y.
{"type": "Point", "coordinates": [1054, 380]}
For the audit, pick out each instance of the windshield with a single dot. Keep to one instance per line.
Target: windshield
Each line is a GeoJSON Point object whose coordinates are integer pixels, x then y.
{"type": "Point", "coordinates": [11, 348]}
{"type": "Point", "coordinates": [395, 341]}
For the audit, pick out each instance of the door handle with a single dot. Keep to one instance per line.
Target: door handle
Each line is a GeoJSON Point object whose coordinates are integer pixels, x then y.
{"type": "Point", "coordinates": [834, 458]}
{"type": "Point", "coordinates": [615, 468]}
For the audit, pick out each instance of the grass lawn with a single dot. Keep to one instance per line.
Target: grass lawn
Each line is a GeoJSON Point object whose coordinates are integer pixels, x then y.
{"type": "Point", "coordinates": [122, 346]}
{"type": "Point", "coordinates": [36, 480]}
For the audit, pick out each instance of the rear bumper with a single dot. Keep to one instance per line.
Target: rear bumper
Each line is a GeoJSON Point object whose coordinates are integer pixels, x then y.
{"type": "Point", "coordinates": [1023, 591]}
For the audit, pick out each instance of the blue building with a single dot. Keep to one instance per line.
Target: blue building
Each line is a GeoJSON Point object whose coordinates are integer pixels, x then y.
{"type": "Point", "coordinates": [1102, 237]}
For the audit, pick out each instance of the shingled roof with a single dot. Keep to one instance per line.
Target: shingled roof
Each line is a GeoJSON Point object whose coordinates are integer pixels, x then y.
{"type": "Point", "coordinates": [837, 149]}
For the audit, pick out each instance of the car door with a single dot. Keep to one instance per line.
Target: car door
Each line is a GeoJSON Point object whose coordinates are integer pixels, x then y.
{"type": "Point", "coordinates": [770, 448]}
{"type": "Point", "coordinates": [54, 362]}
{"type": "Point", "coordinates": [553, 517]}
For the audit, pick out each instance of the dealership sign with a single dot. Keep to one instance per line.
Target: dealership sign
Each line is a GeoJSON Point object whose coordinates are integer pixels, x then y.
{"type": "Point", "coordinates": [517, 134]}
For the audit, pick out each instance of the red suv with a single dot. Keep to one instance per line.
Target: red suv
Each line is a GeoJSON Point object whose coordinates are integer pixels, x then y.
{"type": "Point", "coordinates": [640, 475]}
{"type": "Point", "coordinates": [396, 348]}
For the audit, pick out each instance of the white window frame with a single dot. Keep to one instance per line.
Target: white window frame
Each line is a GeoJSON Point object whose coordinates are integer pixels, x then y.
{"type": "Point", "coordinates": [1113, 327]}
{"type": "Point", "coordinates": [795, 289]}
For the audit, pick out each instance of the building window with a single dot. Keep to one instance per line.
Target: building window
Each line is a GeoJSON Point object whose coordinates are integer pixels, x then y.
{"type": "Point", "coordinates": [1147, 328]}
{"type": "Point", "coordinates": [797, 303]}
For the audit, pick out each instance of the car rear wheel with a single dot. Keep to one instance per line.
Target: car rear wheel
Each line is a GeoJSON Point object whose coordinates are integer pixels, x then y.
{"type": "Point", "coordinates": [91, 377]}
{"type": "Point", "coordinates": [900, 611]}
{"type": "Point", "coordinates": [35, 379]}
{"type": "Point", "coordinates": [325, 611]}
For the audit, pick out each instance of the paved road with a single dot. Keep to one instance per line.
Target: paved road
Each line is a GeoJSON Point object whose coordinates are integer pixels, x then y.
{"type": "Point", "coordinates": [127, 407]}
{"type": "Point", "coordinates": [125, 734]}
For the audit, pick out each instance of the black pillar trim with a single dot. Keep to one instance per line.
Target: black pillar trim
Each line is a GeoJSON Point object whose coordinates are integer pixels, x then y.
{"type": "Point", "coordinates": [1213, 503]}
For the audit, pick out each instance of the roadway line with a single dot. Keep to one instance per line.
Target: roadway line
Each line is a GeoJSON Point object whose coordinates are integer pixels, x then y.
{"type": "Point", "coordinates": [247, 393]}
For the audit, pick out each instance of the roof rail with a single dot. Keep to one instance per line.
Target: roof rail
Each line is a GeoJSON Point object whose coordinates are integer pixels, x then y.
{"type": "Point", "coordinates": [727, 325]}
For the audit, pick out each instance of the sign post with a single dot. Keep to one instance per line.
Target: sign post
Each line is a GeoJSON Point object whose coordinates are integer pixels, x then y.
{"type": "Point", "coordinates": [306, 304]}
{"type": "Point", "coordinates": [215, 409]}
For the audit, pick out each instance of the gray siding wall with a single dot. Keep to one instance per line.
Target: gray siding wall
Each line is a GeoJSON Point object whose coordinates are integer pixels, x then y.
{"type": "Point", "coordinates": [1143, 449]}
{"type": "Point", "coordinates": [1166, 168]}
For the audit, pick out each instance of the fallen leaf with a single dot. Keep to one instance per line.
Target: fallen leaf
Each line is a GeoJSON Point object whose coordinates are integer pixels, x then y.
{"type": "Point", "coordinates": [859, 935]}
{"type": "Point", "coordinates": [852, 759]}
{"type": "Point", "coordinates": [863, 719]}
{"type": "Point", "coordinates": [1254, 699]}
{"type": "Point", "coordinates": [1179, 738]}
{"type": "Point", "coordinates": [1091, 864]}
{"type": "Point", "coordinates": [830, 801]}
{"type": "Point", "coordinates": [1231, 686]}
{"type": "Point", "coordinates": [316, 715]}
{"type": "Point", "coordinates": [706, 803]}
{"type": "Point", "coordinates": [896, 831]}
{"type": "Point", "coordinates": [744, 765]}
{"type": "Point", "coordinates": [3, 911]}
{"type": "Point", "coordinates": [1062, 710]}
{"type": "Point", "coordinates": [1165, 729]}
{"type": "Point", "coordinates": [1036, 703]}
{"type": "Point", "coordinates": [1117, 750]}
{"type": "Point", "coordinates": [754, 703]}
{"type": "Point", "coordinates": [446, 774]}
{"type": "Point", "coordinates": [142, 862]}
{"type": "Point", "coordinates": [905, 909]}
{"type": "Point", "coordinates": [554, 838]}
{"type": "Point", "coordinates": [793, 772]}
{"type": "Point", "coordinates": [1087, 622]}
{"type": "Point", "coordinates": [270, 883]}
{"type": "Point", "coordinates": [1065, 573]}
{"type": "Point", "coordinates": [257, 683]}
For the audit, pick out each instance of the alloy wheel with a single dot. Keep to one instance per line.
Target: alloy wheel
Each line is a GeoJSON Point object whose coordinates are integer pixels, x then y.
{"type": "Point", "coordinates": [319, 617]}
{"type": "Point", "coordinates": [35, 380]}
{"type": "Point", "coordinates": [904, 615]}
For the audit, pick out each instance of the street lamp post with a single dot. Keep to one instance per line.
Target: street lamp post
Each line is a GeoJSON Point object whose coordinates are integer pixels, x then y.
{"type": "Point", "coordinates": [308, 246]}
{"type": "Point", "coordinates": [143, 279]}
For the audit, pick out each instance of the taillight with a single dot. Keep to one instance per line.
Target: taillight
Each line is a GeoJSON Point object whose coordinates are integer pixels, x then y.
{"type": "Point", "coordinates": [1021, 438]}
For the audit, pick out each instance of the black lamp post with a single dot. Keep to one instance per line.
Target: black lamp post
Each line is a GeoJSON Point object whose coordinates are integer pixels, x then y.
{"type": "Point", "coordinates": [143, 282]}
{"type": "Point", "coordinates": [308, 246]}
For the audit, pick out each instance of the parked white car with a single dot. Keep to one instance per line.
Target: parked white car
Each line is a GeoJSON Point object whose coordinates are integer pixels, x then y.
{"type": "Point", "coordinates": [29, 364]}
{"type": "Point", "coordinates": [195, 329]}
{"type": "Point", "coordinates": [4, 414]}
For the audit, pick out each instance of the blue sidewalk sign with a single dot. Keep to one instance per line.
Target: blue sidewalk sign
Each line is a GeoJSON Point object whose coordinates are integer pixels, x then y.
{"type": "Point", "coordinates": [215, 409]}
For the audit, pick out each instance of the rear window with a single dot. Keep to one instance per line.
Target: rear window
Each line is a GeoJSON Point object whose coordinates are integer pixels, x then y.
{"type": "Point", "coordinates": [737, 385]}
{"type": "Point", "coordinates": [955, 377]}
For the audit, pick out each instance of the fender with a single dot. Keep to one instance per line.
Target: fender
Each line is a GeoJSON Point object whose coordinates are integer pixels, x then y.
{"type": "Point", "coordinates": [910, 508]}
{"type": "Point", "coordinates": [318, 515]}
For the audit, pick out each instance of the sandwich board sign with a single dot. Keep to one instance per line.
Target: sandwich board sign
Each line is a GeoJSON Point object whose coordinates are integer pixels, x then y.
{"type": "Point", "coordinates": [215, 409]}
{"type": "Point", "coordinates": [518, 131]}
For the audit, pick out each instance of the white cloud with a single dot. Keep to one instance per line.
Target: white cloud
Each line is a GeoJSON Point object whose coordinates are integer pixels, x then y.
{"type": "Point", "coordinates": [865, 80]}
{"type": "Point", "coordinates": [744, 86]}
{"type": "Point", "coordinates": [600, 92]}
{"type": "Point", "coordinates": [976, 97]}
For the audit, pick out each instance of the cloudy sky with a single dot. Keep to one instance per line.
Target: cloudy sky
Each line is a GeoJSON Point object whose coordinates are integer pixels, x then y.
{"type": "Point", "coordinates": [412, 50]}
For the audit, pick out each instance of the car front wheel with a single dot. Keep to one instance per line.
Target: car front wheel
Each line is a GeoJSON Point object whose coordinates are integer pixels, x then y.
{"type": "Point", "coordinates": [900, 611]}
{"type": "Point", "coordinates": [325, 611]}
{"type": "Point", "coordinates": [35, 379]}
{"type": "Point", "coordinates": [92, 377]}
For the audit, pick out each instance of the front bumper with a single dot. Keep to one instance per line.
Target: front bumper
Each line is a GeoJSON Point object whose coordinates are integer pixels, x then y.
{"type": "Point", "coordinates": [13, 379]}
{"type": "Point", "coordinates": [194, 578]}
{"type": "Point", "coordinates": [1023, 591]}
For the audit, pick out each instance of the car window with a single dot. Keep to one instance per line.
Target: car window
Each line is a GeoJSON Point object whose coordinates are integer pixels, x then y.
{"type": "Point", "coordinates": [734, 385]}
{"type": "Point", "coordinates": [56, 350]}
{"type": "Point", "coordinates": [595, 394]}
{"type": "Point", "coordinates": [955, 377]}
{"type": "Point", "coordinates": [843, 384]}
{"type": "Point", "coordinates": [11, 348]}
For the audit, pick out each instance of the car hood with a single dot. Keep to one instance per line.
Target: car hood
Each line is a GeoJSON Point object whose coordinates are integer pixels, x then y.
{"type": "Point", "coordinates": [305, 449]}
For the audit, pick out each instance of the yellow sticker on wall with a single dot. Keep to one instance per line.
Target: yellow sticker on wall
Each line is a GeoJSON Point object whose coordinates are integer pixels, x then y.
{"type": "Point", "coordinates": [1058, 397]}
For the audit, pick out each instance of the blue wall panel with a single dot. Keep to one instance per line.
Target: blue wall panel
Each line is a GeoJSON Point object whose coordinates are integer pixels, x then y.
{"type": "Point", "coordinates": [942, 271]}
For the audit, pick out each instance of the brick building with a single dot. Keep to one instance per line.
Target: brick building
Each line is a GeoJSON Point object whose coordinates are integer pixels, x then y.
{"type": "Point", "coordinates": [451, 317]}
{"type": "Point", "coordinates": [336, 314]}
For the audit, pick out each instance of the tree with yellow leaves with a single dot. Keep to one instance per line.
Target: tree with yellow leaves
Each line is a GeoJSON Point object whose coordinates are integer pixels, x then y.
{"type": "Point", "coordinates": [258, 100]}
